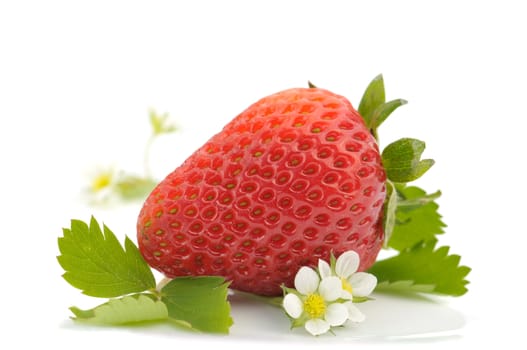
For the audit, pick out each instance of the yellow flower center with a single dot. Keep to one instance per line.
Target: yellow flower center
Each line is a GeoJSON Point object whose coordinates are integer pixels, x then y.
{"type": "Point", "coordinates": [314, 306]}
{"type": "Point", "coordinates": [101, 181]}
{"type": "Point", "coordinates": [346, 285]}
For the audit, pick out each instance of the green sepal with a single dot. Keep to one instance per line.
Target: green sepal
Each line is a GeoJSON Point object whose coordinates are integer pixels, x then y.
{"type": "Point", "coordinates": [199, 303]}
{"type": "Point", "coordinates": [357, 299]}
{"type": "Point", "coordinates": [383, 111]}
{"type": "Point", "coordinates": [372, 98]}
{"type": "Point", "coordinates": [402, 160]}
{"type": "Point", "coordinates": [390, 210]}
{"type": "Point", "coordinates": [373, 106]}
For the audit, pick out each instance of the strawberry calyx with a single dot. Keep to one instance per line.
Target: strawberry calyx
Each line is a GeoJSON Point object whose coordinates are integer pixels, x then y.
{"type": "Point", "coordinates": [401, 159]}
{"type": "Point", "coordinates": [373, 106]}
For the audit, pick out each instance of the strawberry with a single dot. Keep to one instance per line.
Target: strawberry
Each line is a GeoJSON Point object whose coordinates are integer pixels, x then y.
{"type": "Point", "coordinates": [295, 177]}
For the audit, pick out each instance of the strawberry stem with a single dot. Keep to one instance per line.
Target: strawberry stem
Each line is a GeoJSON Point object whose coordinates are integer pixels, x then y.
{"type": "Point", "coordinates": [146, 158]}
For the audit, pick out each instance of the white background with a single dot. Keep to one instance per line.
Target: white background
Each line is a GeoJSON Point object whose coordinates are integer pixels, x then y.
{"type": "Point", "coordinates": [77, 80]}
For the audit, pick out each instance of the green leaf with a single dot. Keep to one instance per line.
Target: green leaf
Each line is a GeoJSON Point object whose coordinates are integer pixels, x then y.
{"type": "Point", "coordinates": [373, 97]}
{"type": "Point", "coordinates": [98, 265]}
{"type": "Point", "coordinates": [136, 308]}
{"type": "Point", "coordinates": [416, 219]}
{"type": "Point", "coordinates": [421, 265]}
{"type": "Point", "coordinates": [200, 302]}
{"type": "Point", "coordinates": [402, 160]}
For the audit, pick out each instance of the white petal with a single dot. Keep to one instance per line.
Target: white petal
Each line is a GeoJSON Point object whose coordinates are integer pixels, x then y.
{"type": "Point", "coordinates": [324, 269]}
{"type": "Point", "coordinates": [293, 305]}
{"type": "Point", "coordinates": [316, 326]}
{"type": "Point", "coordinates": [355, 315]}
{"type": "Point", "coordinates": [362, 283]}
{"type": "Point", "coordinates": [330, 288]}
{"type": "Point", "coordinates": [336, 314]}
{"type": "Point", "coordinates": [306, 280]}
{"type": "Point", "coordinates": [346, 295]}
{"type": "Point", "coordinates": [347, 264]}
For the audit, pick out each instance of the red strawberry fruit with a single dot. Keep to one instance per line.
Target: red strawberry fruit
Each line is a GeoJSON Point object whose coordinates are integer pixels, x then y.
{"type": "Point", "coordinates": [295, 177]}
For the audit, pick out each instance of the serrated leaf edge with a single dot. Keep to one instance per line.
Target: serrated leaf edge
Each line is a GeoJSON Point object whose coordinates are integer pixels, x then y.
{"type": "Point", "coordinates": [110, 248]}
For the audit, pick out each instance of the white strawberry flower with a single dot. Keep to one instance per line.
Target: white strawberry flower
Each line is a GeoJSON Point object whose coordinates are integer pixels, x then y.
{"type": "Point", "coordinates": [323, 298]}
{"type": "Point", "coordinates": [315, 302]}
{"type": "Point", "coordinates": [354, 284]}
